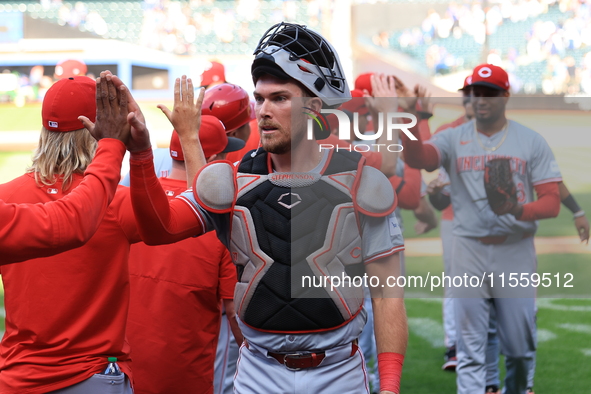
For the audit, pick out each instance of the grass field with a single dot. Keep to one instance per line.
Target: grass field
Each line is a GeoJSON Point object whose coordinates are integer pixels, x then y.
{"type": "Point", "coordinates": [564, 325]}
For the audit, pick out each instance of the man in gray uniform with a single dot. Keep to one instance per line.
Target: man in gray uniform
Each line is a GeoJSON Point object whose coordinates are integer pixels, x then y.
{"type": "Point", "coordinates": [488, 244]}
{"type": "Point", "coordinates": [296, 211]}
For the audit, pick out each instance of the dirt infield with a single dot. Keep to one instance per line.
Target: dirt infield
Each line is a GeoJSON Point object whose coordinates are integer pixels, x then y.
{"type": "Point", "coordinates": [544, 245]}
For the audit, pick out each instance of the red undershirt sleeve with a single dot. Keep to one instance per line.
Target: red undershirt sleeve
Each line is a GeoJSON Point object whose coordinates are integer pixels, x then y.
{"type": "Point", "coordinates": [159, 220]}
{"type": "Point", "coordinates": [546, 206]}
{"type": "Point", "coordinates": [408, 189]}
{"type": "Point", "coordinates": [417, 154]}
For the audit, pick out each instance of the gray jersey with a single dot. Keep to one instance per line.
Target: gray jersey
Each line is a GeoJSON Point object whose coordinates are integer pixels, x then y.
{"type": "Point", "coordinates": [462, 155]}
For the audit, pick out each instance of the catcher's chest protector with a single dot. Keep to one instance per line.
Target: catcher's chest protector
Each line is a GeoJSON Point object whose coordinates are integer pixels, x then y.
{"type": "Point", "coordinates": [286, 226]}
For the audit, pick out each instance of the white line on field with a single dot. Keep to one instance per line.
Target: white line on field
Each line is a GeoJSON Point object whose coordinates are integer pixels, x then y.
{"type": "Point", "coordinates": [586, 352]}
{"type": "Point", "coordinates": [583, 328]}
{"type": "Point", "coordinates": [548, 303]}
{"type": "Point", "coordinates": [428, 329]}
{"type": "Point", "coordinates": [545, 335]}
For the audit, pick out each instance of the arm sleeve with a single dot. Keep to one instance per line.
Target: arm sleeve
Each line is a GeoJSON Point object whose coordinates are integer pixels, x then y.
{"type": "Point", "coordinates": [546, 206]}
{"type": "Point", "coordinates": [408, 189]}
{"type": "Point", "coordinates": [30, 231]}
{"type": "Point", "coordinates": [228, 277]}
{"type": "Point", "coordinates": [418, 154]}
{"type": "Point", "coordinates": [159, 220]}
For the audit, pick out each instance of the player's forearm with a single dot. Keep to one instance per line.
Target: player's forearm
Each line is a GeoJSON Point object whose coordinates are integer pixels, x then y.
{"type": "Point", "coordinates": [390, 325]}
{"type": "Point", "coordinates": [426, 214]}
{"type": "Point", "coordinates": [194, 158]}
{"type": "Point", "coordinates": [389, 159]}
{"type": "Point", "coordinates": [29, 231]}
{"type": "Point", "coordinates": [408, 189]}
{"type": "Point", "coordinates": [391, 331]}
{"type": "Point", "coordinates": [417, 154]}
{"type": "Point", "coordinates": [159, 220]}
{"type": "Point", "coordinates": [546, 206]}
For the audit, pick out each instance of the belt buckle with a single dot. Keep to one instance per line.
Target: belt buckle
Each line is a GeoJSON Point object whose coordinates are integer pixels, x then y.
{"type": "Point", "coordinates": [292, 355]}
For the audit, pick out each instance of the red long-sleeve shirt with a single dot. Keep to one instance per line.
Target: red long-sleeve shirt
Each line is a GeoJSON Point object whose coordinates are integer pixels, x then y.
{"type": "Point", "coordinates": [36, 230]}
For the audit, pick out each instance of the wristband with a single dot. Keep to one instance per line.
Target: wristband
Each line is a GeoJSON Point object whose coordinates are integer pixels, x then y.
{"type": "Point", "coordinates": [390, 370]}
{"type": "Point", "coordinates": [571, 204]}
{"type": "Point", "coordinates": [579, 214]}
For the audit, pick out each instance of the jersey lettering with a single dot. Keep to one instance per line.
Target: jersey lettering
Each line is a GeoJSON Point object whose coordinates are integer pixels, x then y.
{"type": "Point", "coordinates": [478, 162]}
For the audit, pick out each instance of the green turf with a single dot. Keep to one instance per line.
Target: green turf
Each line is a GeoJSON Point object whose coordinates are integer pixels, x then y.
{"type": "Point", "coordinates": [562, 363]}
{"type": "Point", "coordinates": [13, 118]}
{"type": "Point", "coordinates": [13, 164]}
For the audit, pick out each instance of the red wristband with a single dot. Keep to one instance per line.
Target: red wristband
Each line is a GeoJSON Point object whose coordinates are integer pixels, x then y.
{"type": "Point", "coordinates": [390, 369]}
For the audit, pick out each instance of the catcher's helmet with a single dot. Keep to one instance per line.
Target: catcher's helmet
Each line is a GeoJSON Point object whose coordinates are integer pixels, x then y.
{"type": "Point", "coordinates": [293, 51]}
{"type": "Point", "coordinates": [229, 103]}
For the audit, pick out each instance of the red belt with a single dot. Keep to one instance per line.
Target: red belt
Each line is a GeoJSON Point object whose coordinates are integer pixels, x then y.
{"type": "Point", "coordinates": [499, 239]}
{"type": "Point", "coordinates": [297, 361]}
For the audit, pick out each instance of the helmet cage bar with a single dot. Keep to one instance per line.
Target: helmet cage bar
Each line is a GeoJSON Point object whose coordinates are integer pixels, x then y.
{"type": "Point", "coordinates": [329, 76]}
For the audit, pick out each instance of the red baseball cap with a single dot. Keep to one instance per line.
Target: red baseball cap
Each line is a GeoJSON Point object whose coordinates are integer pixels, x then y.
{"type": "Point", "coordinates": [363, 82]}
{"type": "Point", "coordinates": [70, 68]}
{"type": "Point", "coordinates": [66, 100]}
{"type": "Point", "coordinates": [212, 136]}
{"type": "Point", "coordinates": [467, 82]}
{"type": "Point", "coordinates": [214, 72]}
{"type": "Point", "coordinates": [490, 76]}
{"type": "Point", "coordinates": [356, 104]}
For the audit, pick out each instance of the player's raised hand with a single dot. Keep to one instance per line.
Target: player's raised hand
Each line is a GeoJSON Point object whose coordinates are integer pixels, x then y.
{"type": "Point", "coordinates": [111, 111]}
{"type": "Point", "coordinates": [407, 99]}
{"type": "Point", "coordinates": [582, 225]}
{"type": "Point", "coordinates": [186, 113]}
{"type": "Point", "coordinates": [435, 186]}
{"type": "Point", "coordinates": [139, 138]}
{"type": "Point", "coordinates": [424, 99]}
{"type": "Point", "coordinates": [385, 97]}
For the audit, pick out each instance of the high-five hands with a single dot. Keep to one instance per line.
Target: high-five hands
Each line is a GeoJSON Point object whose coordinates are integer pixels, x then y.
{"type": "Point", "coordinates": [111, 111]}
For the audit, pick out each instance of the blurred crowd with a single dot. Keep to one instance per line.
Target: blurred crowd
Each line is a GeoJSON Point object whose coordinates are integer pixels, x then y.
{"type": "Point", "coordinates": [183, 26]}
{"type": "Point", "coordinates": [561, 44]}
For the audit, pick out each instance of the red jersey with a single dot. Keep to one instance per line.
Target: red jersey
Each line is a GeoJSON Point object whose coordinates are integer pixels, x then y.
{"type": "Point", "coordinates": [67, 313]}
{"type": "Point", "coordinates": [175, 311]}
{"type": "Point", "coordinates": [253, 142]}
{"type": "Point", "coordinates": [448, 212]}
{"type": "Point", "coordinates": [34, 230]}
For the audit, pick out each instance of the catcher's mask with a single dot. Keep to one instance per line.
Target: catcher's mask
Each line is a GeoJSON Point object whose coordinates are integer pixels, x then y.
{"type": "Point", "coordinates": [291, 51]}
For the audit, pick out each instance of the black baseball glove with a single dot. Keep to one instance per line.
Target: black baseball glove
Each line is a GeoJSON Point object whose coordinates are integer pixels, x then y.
{"type": "Point", "coordinates": [500, 188]}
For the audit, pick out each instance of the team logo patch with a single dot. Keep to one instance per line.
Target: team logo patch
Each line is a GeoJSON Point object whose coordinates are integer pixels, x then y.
{"type": "Point", "coordinates": [393, 226]}
{"type": "Point", "coordinates": [51, 191]}
{"type": "Point", "coordinates": [53, 124]}
{"type": "Point", "coordinates": [485, 72]}
{"type": "Point", "coordinates": [169, 193]}
{"type": "Point", "coordinates": [289, 200]}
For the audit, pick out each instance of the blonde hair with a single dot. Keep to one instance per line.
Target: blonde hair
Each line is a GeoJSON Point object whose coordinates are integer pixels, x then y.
{"type": "Point", "coordinates": [60, 155]}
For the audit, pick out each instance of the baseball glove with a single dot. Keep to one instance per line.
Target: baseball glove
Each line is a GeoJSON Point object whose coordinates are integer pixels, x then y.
{"type": "Point", "coordinates": [500, 188]}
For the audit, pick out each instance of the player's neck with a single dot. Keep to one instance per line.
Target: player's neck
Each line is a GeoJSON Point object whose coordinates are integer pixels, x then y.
{"type": "Point", "coordinates": [492, 127]}
{"type": "Point", "coordinates": [302, 158]}
{"type": "Point", "coordinates": [178, 171]}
